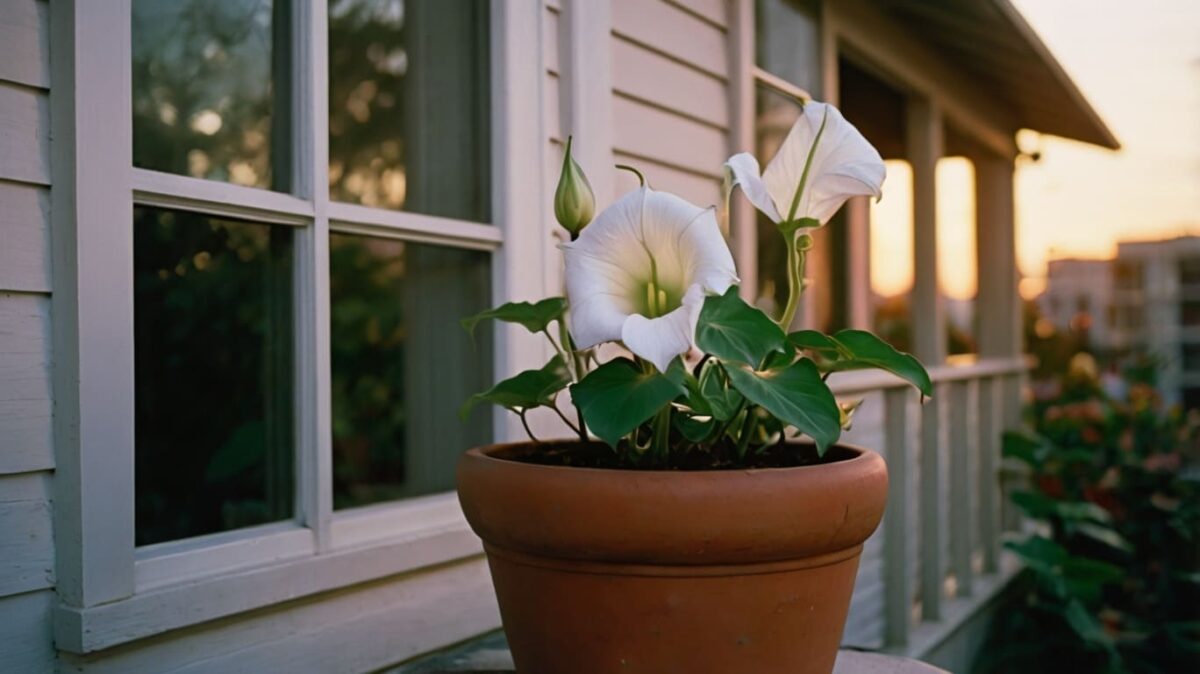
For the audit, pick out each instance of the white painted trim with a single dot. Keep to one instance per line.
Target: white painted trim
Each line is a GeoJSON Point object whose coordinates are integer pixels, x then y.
{"type": "Point", "coordinates": [190, 558]}
{"type": "Point", "coordinates": [314, 434]}
{"type": "Point", "coordinates": [742, 225]}
{"type": "Point", "coordinates": [771, 81]}
{"type": "Point", "coordinates": [167, 608]}
{"type": "Point", "coordinates": [519, 196]}
{"type": "Point", "coordinates": [924, 137]}
{"type": "Point", "coordinates": [409, 518]}
{"type": "Point", "coordinates": [167, 190]}
{"type": "Point", "coordinates": [586, 89]}
{"type": "Point", "coordinates": [413, 226]}
{"type": "Point", "coordinates": [865, 381]}
{"type": "Point", "coordinates": [93, 301]}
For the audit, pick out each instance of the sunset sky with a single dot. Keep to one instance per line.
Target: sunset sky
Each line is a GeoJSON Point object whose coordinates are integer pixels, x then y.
{"type": "Point", "coordinates": [1139, 65]}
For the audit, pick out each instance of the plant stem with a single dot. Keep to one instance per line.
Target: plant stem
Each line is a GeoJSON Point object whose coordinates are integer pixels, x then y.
{"type": "Point", "coordinates": [564, 418]}
{"type": "Point", "coordinates": [795, 264]}
{"type": "Point", "coordinates": [747, 430]}
{"type": "Point", "coordinates": [577, 366]}
{"type": "Point", "coordinates": [526, 425]}
{"type": "Point", "coordinates": [662, 434]}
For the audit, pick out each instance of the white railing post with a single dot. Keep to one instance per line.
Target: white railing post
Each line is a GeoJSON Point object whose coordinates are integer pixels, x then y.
{"type": "Point", "coordinates": [924, 137]}
{"type": "Point", "coordinates": [897, 593]}
{"type": "Point", "coordinates": [1012, 402]}
{"type": "Point", "coordinates": [988, 443]}
{"type": "Point", "coordinates": [960, 485]}
{"type": "Point", "coordinates": [932, 506]}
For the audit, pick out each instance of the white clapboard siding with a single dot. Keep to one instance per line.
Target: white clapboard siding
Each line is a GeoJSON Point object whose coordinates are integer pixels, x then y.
{"type": "Point", "coordinates": [26, 643]}
{"type": "Point", "coordinates": [24, 47]}
{"type": "Point", "coordinates": [550, 45]}
{"type": "Point", "coordinates": [25, 407]}
{"type": "Point", "coordinates": [24, 134]}
{"type": "Point", "coordinates": [364, 628]}
{"type": "Point", "coordinates": [712, 11]}
{"type": "Point", "coordinates": [700, 190]}
{"type": "Point", "coordinates": [650, 77]}
{"type": "Point", "coordinates": [26, 534]}
{"type": "Point", "coordinates": [650, 133]}
{"type": "Point", "coordinates": [674, 32]}
{"type": "Point", "coordinates": [25, 232]}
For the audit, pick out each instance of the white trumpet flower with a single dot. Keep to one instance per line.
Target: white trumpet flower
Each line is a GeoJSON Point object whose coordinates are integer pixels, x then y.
{"type": "Point", "coordinates": [640, 271]}
{"type": "Point", "coordinates": [803, 182]}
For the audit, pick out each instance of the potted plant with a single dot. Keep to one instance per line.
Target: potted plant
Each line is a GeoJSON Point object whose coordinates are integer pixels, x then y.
{"type": "Point", "coordinates": [682, 530]}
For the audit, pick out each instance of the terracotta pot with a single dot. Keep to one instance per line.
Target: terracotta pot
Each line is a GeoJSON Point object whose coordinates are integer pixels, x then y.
{"type": "Point", "coordinates": [662, 572]}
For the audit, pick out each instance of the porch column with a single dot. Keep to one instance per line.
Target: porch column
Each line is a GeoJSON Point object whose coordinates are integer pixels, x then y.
{"type": "Point", "coordinates": [998, 304]}
{"type": "Point", "coordinates": [924, 137]}
{"type": "Point", "coordinates": [859, 313]}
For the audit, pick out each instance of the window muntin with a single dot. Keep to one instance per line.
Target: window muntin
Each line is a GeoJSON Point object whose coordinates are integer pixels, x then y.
{"type": "Point", "coordinates": [402, 365]}
{"type": "Point", "coordinates": [409, 106]}
{"type": "Point", "coordinates": [209, 89]}
{"type": "Point", "coordinates": [213, 371]}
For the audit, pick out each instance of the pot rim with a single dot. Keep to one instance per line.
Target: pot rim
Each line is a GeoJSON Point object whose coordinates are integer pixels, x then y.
{"type": "Point", "coordinates": [487, 453]}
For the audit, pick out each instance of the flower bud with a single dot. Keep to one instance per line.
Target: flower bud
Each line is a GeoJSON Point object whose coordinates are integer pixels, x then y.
{"type": "Point", "coordinates": [574, 202]}
{"type": "Point", "coordinates": [804, 243]}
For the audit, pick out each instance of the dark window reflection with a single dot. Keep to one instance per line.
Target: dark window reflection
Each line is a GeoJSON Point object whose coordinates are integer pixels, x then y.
{"type": "Point", "coordinates": [789, 41]}
{"type": "Point", "coordinates": [408, 105]}
{"type": "Point", "coordinates": [209, 89]}
{"type": "Point", "coordinates": [213, 369]}
{"type": "Point", "coordinates": [402, 365]}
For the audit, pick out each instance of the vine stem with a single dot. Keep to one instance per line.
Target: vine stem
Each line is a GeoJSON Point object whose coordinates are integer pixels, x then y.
{"type": "Point", "coordinates": [526, 425]}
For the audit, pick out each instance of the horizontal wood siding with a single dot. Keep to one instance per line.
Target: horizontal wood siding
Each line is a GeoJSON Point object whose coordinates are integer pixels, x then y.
{"type": "Point", "coordinates": [26, 644]}
{"type": "Point", "coordinates": [26, 534]}
{"type": "Point", "coordinates": [671, 107]}
{"type": "Point", "coordinates": [360, 629]}
{"type": "Point", "coordinates": [25, 231]}
{"type": "Point", "coordinates": [26, 437]}
{"type": "Point", "coordinates": [24, 49]}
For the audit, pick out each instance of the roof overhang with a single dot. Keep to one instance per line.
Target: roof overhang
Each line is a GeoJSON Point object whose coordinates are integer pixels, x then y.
{"type": "Point", "coordinates": [995, 46]}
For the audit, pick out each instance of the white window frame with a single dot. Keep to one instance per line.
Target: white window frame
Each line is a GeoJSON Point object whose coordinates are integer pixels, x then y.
{"type": "Point", "coordinates": [112, 592]}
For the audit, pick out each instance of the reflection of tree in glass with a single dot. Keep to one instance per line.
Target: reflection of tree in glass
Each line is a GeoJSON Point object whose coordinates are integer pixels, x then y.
{"type": "Point", "coordinates": [367, 350]}
{"type": "Point", "coordinates": [202, 88]}
{"type": "Point", "coordinates": [367, 62]}
{"type": "Point", "coordinates": [213, 371]}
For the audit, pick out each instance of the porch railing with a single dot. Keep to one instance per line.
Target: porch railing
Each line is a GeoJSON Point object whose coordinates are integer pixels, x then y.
{"type": "Point", "coordinates": [936, 557]}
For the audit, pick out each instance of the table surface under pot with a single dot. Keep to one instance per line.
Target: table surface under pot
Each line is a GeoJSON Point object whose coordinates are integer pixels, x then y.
{"type": "Point", "coordinates": [489, 655]}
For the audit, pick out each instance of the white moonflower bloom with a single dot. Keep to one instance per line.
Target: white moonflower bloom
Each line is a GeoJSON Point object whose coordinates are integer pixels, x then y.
{"type": "Point", "coordinates": [640, 271]}
{"type": "Point", "coordinates": [801, 183]}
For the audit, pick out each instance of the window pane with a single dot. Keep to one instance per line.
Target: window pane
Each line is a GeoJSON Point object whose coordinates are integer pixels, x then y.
{"type": "Point", "coordinates": [789, 41]}
{"type": "Point", "coordinates": [408, 105]}
{"type": "Point", "coordinates": [402, 365]}
{"type": "Point", "coordinates": [213, 369]}
{"type": "Point", "coordinates": [209, 89]}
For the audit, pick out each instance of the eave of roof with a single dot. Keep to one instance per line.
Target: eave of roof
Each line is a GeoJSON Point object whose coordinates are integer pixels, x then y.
{"type": "Point", "coordinates": [995, 45]}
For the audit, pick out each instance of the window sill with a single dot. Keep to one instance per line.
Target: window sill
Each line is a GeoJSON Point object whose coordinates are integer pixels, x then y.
{"type": "Point", "coordinates": [364, 553]}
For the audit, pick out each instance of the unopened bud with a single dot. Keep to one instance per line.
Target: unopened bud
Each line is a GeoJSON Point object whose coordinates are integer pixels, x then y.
{"type": "Point", "coordinates": [804, 243]}
{"type": "Point", "coordinates": [574, 202]}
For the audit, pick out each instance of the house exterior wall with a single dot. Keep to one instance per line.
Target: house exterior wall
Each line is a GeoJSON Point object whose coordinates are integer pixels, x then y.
{"type": "Point", "coordinates": [669, 94]}
{"type": "Point", "coordinates": [26, 436]}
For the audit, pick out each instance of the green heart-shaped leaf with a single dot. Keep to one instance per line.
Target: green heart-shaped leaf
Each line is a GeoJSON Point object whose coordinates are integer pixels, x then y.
{"type": "Point", "coordinates": [695, 430]}
{"type": "Point", "coordinates": [617, 397]}
{"type": "Point", "coordinates": [864, 351]}
{"type": "Point", "coordinates": [730, 329]}
{"type": "Point", "coordinates": [535, 317]}
{"type": "Point", "coordinates": [816, 341]}
{"type": "Point", "coordinates": [796, 395]}
{"type": "Point", "coordinates": [531, 388]}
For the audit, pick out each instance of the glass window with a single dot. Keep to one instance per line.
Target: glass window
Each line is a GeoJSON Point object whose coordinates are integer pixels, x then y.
{"type": "Point", "coordinates": [789, 41]}
{"type": "Point", "coordinates": [209, 85]}
{"type": "Point", "coordinates": [402, 365]}
{"type": "Point", "coordinates": [213, 374]}
{"type": "Point", "coordinates": [408, 106]}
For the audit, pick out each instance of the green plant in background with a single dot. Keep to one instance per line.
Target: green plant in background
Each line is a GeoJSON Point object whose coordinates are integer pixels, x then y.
{"type": "Point", "coordinates": [1113, 581]}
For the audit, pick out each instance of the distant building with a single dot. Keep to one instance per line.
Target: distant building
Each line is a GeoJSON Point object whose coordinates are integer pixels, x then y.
{"type": "Point", "coordinates": [1157, 310]}
{"type": "Point", "coordinates": [1145, 300]}
{"type": "Point", "coordinates": [1079, 297]}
